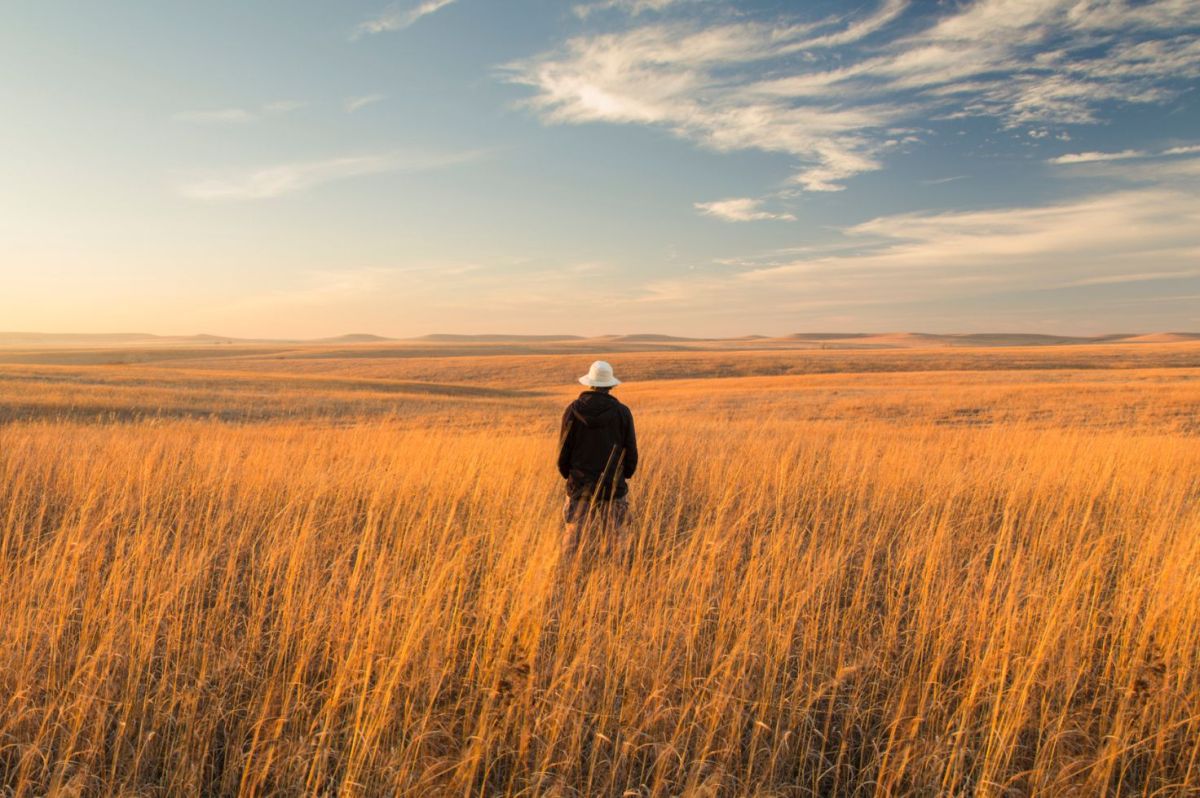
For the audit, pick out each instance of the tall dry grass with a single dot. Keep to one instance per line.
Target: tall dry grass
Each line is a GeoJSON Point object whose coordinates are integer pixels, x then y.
{"type": "Point", "coordinates": [816, 608]}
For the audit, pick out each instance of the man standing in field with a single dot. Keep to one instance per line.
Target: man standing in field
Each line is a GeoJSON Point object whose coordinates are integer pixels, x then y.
{"type": "Point", "coordinates": [597, 453]}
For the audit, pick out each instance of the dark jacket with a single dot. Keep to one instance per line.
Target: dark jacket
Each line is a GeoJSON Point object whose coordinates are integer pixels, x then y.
{"type": "Point", "coordinates": [598, 449]}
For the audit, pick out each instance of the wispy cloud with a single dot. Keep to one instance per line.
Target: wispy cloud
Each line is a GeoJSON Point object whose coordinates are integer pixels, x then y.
{"type": "Point", "coordinates": [283, 106]}
{"type": "Point", "coordinates": [937, 181]}
{"type": "Point", "coordinates": [888, 11]}
{"type": "Point", "coordinates": [679, 77]}
{"type": "Point", "coordinates": [353, 104]}
{"type": "Point", "coordinates": [239, 116]}
{"type": "Point", "coordinates": [1160, 169]}
{"type": "Point", "coordinates": [398, 17]}
{"type": "Point", "coordinates": [1137, 277]}
{"type": "Point", "coordinates": [740, 209]}
{"type": "Point", "coordinates": [835, 93]}
{"type": "Point", "coordinates": [275, 181]}
{"type": "Point", "coordinates": [1093, 157]}
{"type": "Point", "coordinates": [1123, 155]}
{"type": "Point", "coordinates": [1079, 234]}
{"type": "Point", "coordinates": [1120, 237]}
{"type": "Point", "coordinates": [634, 7]}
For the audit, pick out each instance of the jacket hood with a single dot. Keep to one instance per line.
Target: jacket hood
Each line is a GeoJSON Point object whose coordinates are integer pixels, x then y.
{"type": "Point", "coordinates": [595, 409]}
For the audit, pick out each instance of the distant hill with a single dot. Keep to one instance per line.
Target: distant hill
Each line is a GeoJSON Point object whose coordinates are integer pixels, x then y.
{"type": "Point", "coordinates": [452, 338]}
{"type": "Point", "coordinates": [354, 338]}
{"type": "Point", "coordinates": [1030, 339]}
{"type": "Point", "coordinates": [903, 340]}
{"type": "Point", "coordinates": [638, 341]}
{"type": "Point", "coordinates": [651, 338]}
{"type": "Point", "coordinates": [1162, 338]}
{"type": "Point", "coordinates": [877, 340]}
{"type": "Point", "coordinates": [1016, 339]}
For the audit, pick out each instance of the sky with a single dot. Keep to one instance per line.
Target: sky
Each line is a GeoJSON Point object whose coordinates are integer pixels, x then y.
{"type": "Point", "coordinates": [306, 168]}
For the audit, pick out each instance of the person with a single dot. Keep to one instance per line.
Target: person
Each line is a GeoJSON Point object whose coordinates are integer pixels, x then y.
{"type": "Point", "coordinates": [597, 454]}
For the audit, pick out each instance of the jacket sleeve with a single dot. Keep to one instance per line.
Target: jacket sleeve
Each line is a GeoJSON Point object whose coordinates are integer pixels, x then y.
{"type": "Point", "coordinates": [630, 443]}
{"type": "Point", "coordinates": [564, 445]}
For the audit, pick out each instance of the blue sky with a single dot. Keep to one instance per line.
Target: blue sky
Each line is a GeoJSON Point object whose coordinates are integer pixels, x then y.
{"type": "Point", "coordinates": [308, 168]}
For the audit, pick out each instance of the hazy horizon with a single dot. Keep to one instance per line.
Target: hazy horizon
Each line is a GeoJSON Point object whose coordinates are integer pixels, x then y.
{"type": "Point", "coordinates": [680, 167]}
{"type": "Point", "coordinates": [11, 337]}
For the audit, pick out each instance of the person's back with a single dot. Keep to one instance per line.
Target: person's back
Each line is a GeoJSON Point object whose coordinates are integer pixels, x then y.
{"type": "Point", "coordinates": [597, 454]}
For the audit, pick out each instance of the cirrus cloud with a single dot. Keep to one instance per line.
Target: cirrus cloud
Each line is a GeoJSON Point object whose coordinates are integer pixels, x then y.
{"type": "Point", "coordinates": [359, 102]}
{"type": "Point", "coordinates": [740, 209]}
{"type": "Point", "coordinates": [238, 116]}
{"type": "Point", "coordinates": [398, 17]}
{"type": "Point", "coordinates": [275, 181]}
{"type": "Point", "coordinates": [1077, 252]}
{"type": "Point", "coordinates": [835, 94]}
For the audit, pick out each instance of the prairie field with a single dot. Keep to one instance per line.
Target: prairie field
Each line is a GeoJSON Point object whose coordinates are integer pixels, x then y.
{"type": "Point", "coordinates": [334, 570]}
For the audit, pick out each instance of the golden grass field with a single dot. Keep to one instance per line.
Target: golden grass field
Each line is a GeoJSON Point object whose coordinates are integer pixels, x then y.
{"type": "Point", "coordinates": [290, 570]}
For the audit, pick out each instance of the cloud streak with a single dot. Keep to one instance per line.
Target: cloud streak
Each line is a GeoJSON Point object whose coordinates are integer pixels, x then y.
{"type": "Point", "coordinates": [353, 104]}
{"type": "Point", "coordinates": [398, 17]}
{"type": "Point", "coordinates": [239, 116]}
{"type": "Point", "coordinates": [634, 7]}
{"type": "Point", "coordinates": [889, 11]}
{"type": "Point", "coordinates": [1093, 157]}
{"type": "Point", "coordinates": [278, 180]}
{"type": "Point", "coordinates": [740, 209]}
{"type": "Point", "coordinates": [1123, 155]}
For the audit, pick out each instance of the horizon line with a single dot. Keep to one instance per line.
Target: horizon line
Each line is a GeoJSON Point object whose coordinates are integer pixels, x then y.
{"type": "Point", "coordinates": [646, 336]}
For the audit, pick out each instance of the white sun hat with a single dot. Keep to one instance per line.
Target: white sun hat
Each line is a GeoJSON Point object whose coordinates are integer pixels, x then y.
{"type": "Point", "coordinates": [600, 375]}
